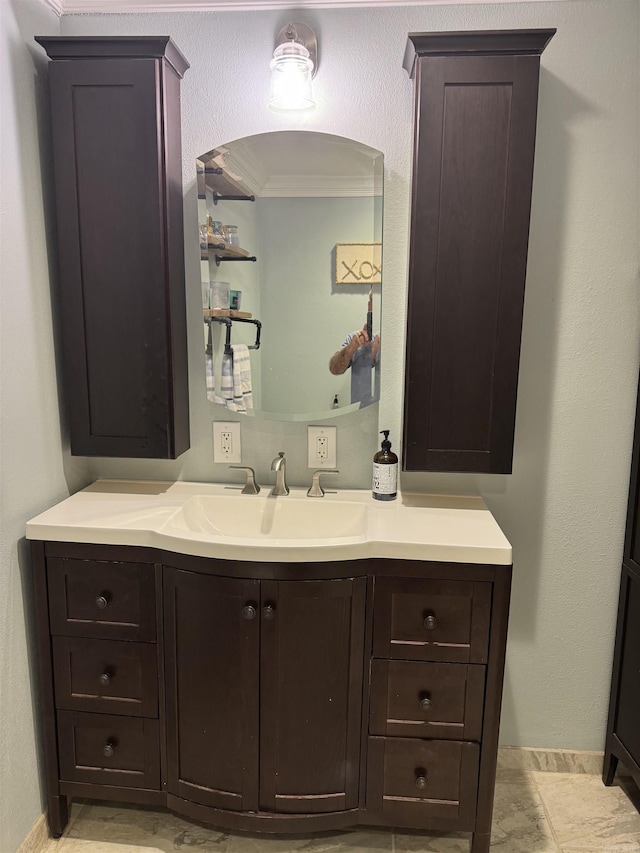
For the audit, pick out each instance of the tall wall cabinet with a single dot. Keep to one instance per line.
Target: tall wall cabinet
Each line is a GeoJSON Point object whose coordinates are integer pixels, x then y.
{"type": "Point", "coordinates": [475, 122]}
{"type": "Point", "coordinates": [623, 731]}
{"type": "Point", "coordinates": [115, 106]}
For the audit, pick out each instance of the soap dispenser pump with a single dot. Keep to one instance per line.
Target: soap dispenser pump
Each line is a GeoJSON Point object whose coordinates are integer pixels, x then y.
{"type": "Point", "coordinates": [385, 471]}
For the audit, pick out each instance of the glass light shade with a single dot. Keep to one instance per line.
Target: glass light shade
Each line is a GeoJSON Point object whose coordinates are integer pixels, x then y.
{"type": "Point", "coordinates": [291, 70]}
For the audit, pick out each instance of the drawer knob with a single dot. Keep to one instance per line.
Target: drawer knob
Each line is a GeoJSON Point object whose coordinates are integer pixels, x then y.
{"type": "Point", "coordinates": [268, 612]}
{"type": "Point", "coordinates": [421, 782]}
{"type": "Point", "coordinates": [249, 612]}
{"type": "Point", "coordinates": [105, 679]}
{"type": "Point", "coordinates": [102, 600]}
{"type": "Point", "coordinates": [430, 622]}
{"type": "Point", "coordinates": [425, 703]}
{"type": "Point", "coordinates": [108, 749]}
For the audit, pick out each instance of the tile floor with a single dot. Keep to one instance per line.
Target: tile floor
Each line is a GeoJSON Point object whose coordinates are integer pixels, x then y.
{"type": "Point", "coordinates": [535, 812]}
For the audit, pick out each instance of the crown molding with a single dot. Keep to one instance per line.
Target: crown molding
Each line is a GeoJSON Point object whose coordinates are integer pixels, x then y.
{"type": "Point", "coordinates": [71, 7]}
{"type": "Point", "coordinates": [56, 5]}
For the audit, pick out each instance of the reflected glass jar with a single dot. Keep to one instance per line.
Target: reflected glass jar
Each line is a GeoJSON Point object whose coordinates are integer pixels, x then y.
{"type": "Point", "coordinates": [231, 235]}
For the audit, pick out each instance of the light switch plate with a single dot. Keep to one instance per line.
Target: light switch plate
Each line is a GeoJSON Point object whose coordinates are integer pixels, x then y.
{"type": "Point", "coordinates": [322, 446]}
{"type": "Point", "coordinates": [226, 442]}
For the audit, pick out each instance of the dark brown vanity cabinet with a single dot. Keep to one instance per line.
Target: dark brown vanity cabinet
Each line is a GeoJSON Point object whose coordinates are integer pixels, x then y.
{"type": "Point", "coordinates": [264, 692]}
{"type": "Point", "coordinates": [474, 133]}
{"type": "Point", "coordinates": [115, 108]}
{"type": "Point", "coordinates": [272, 697]}
{"type": "Point", "coordinates": [623, 728]}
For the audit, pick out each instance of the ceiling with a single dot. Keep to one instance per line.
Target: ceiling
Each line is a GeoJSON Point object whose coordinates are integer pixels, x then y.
{"type": "Point", "coordinates": [69, 7]}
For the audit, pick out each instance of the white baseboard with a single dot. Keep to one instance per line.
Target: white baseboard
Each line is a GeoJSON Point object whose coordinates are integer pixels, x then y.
{"type": "Point", "coordinates": [38, 838]}
{"type": "Point", "coordinates": [550, 760]}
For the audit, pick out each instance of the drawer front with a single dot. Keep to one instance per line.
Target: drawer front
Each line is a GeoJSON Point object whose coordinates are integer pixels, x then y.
{"type": "Point", "coordinates": [420, 783]}
{"type": "Point", "coordinates": [109, 750]}
{"type": "Point", "coordinates": [106, 676]}
{"type": "Point", "coordinates": [90, 598]}
{"type": "Point", "coordinates": [439, 620]}
{"type": "Point", "coordinates": [426, 700]}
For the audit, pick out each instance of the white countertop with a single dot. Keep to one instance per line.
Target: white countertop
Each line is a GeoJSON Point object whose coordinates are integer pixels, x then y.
{"type": "Point", "coordinates": [446, 528]}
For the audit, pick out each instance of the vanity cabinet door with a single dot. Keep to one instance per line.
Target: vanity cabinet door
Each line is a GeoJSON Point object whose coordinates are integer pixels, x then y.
{"type": "Point", "coordinates": [475, 122]}
{"type": "Point", "coordinates": [212, 635]}
{"type": "Point", "coordinates": [311, 694]}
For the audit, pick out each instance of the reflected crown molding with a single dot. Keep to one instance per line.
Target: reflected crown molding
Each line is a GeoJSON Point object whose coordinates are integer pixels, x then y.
{"type": "Point", "coordinates": [70, 7]}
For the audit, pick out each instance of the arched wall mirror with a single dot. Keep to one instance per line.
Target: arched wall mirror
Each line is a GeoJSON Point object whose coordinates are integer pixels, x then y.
{"type": "Point", "coordinates": [291, 262]}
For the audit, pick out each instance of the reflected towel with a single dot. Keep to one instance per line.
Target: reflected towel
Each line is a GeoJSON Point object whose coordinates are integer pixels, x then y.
{"type": "Point", "coordinates": [235, 380]}
{"type": "Point", "coordinates": [210, 368]}
{"type": "Point", "coordinates": [241, 372]}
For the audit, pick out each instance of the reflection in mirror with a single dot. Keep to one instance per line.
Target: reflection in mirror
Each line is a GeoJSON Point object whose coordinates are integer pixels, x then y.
{"type": "Point", "coordinates": [291, 258]}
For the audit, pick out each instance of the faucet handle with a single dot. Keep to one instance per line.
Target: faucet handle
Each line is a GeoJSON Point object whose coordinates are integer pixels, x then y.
{"type": "Point", "coordinates": [250, 487]}
{"type": "Point", "coordinates": [315, 490]}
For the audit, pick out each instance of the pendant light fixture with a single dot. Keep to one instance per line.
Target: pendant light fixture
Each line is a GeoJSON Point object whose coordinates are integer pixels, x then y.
{"type": "Point", "coordinates": [293, 66]}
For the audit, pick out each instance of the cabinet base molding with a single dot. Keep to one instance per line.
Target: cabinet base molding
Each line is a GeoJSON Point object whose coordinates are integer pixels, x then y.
{"type": "Point", "coordinates": [266, 822]}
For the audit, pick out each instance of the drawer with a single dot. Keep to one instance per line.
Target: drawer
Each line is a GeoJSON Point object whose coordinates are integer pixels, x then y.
{"type": "Point", "coordinates": [107, 676]}
{"type": "Point", "coordinates": [423, 783]}
{"type": "Point", "coordinates": [91, 598]}
{"type": "Point", "coordinates": [426, 700]}
{"type": "Point", "coordinates": [108, 750]}
{"type": "Point", "coordinates": [424, 619]}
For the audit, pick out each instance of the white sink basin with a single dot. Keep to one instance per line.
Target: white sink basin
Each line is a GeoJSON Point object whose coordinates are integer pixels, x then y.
{"type": "Point", "coordinates": [257, 517]}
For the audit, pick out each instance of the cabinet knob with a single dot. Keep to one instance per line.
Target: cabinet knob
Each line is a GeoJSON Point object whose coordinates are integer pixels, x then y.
{"type": "Point", "coordinates": [108, 749]}
{"type": "Point", "coordinates": [421, 781]}
{"type": "Point", "coordinates": [268, 612]}
{"type": "Point", "coordinates": [430, 622]}
{"type": "Point", "coordinates": [425, 703]}
{"type": "Point", "coordinates": [105, 679]}
{"type": "Point", "coordinates": [249, 612]}
{"type": "Point", "coordinates": [102, 600]}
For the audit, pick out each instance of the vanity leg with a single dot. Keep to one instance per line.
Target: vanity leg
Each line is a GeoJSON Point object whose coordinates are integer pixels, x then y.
{"type": "Point", "coordinates": [480, 842]}
{"type": "Point", "coordinates": [58, 814]}
{"type": "Point", "coordinates": [609, 767]}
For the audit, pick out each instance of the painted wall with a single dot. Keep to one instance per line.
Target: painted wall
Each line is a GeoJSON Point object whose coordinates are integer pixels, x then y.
{"type": "Point", "coordinates": [564, 506]}
{"type": "Point", "coordinates": [37, 470]}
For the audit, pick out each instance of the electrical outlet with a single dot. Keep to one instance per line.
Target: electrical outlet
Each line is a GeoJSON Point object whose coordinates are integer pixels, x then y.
{"type": "Point", "coordinates": [226, 442]}
{"type": "Point", "coordinates": [322, 446]}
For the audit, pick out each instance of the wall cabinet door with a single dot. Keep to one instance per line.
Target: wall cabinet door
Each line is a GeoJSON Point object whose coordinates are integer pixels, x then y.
{"type": "Point", "coordinates": [277, 663]}
{"type": "Point", "coordinates": [115, 106]}
{"type": "Point", "coordinates": [475, 122]}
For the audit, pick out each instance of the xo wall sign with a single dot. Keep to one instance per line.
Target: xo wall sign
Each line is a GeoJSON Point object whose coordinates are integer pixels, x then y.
{"type": "Point", "coordinates": [359, 263]}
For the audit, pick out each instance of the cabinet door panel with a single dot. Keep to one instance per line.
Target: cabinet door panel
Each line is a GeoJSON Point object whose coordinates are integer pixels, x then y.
{"type": "Point", "coordinates": [417, 619]}
{"type": "Point", "coordinates": [105, 749]}
{"type": "Point", "coordinates": [473, 166]}
{"type": "Point", "coordinates": [212, 689]}
{"type": "Point", "coordinates": [430, 700]}
{"type": "Point", "coordinates": [100, 598]}
{"type": "Point", "coordinates": [108, 676]}
{"type": "Point", "coordinates": [311, 694]}
{"type": "Point", "coordinates": [632, 538]}
{"type": "Point", "coordinates": [627, 727]}
{"type": "Point", "coordinates": [423, 783]}
{"type": "Point", "coordinates": [117, 163]}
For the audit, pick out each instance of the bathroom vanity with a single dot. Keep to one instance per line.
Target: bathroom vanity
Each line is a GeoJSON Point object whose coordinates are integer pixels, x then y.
{"type": "Point", "coordinates": [272, 664]}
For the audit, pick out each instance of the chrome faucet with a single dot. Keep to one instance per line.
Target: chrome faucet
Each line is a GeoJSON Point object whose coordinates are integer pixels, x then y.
{"type": "Point", "coordinates": [279, 465]}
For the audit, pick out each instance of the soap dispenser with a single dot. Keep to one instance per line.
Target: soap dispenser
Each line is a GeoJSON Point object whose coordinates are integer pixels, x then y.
{"type": "Point", "coordinates": [385, 471]}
